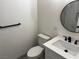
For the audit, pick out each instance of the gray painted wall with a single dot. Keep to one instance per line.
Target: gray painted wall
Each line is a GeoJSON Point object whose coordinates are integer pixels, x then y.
{"type": "Point", "coordinates": [47, 17]}
{"type": "Point", "coordinates": [15, 41]}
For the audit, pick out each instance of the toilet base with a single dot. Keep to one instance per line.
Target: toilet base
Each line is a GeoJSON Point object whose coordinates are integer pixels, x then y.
{"type": "Point", "coordinates": [37, 58]}
{"type": "Point", "coordinates": [33, 58]}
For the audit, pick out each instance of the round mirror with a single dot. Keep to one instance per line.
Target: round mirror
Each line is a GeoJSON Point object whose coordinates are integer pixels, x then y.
{"type": "Point", "coordinates": [70, 16]}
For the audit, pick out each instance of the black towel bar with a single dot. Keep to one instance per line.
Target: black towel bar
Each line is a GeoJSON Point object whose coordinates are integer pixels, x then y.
{"type": "Point", "coordinates": [10, 25]}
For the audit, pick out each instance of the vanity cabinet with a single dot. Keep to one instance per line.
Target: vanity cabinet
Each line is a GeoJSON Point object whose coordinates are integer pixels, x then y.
{"type": "Point", "coordinates": [49, 54]}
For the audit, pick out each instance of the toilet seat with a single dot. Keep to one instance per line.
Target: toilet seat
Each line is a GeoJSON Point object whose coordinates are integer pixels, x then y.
{"type": "Point", "coordinates": [35, 51]}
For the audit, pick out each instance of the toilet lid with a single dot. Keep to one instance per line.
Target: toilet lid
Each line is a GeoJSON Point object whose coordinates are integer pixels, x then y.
{"type": "Point", "coordinates": [35, 51]}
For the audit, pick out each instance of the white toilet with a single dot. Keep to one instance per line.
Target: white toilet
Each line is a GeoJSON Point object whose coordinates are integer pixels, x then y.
{"type": "Point", "coordinates": [37, 52]}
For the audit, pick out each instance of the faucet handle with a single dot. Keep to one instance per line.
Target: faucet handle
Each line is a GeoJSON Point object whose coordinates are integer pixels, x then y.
{"type": "Point", "coordinates": [65, 38]}
{"type": "Point", "coordinates": [76, 42]}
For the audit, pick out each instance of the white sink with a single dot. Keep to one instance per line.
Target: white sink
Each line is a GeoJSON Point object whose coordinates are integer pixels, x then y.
{"type": "Point", "coordinates": [63, 48]}
{"type": "Point", "coordinates": [69, 47]}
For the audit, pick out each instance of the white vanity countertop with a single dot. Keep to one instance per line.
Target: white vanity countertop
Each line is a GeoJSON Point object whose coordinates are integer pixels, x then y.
{"type": "Point", "coordinates": [50, 45]}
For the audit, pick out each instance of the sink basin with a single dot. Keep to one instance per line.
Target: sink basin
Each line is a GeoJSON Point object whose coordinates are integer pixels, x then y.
{"type": "Point", "coordinates": [67, 47]}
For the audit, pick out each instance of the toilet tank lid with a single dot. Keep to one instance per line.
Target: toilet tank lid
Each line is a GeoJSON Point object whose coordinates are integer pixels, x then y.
{"type": "Point", "coordinates": [35, 51]}
{"type": "Point", "coordinates": [43, 36]}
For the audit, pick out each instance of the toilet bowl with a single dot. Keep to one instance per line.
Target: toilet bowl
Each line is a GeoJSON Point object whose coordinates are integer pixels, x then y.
{"type": "Point", "coordinates": [37, 52]}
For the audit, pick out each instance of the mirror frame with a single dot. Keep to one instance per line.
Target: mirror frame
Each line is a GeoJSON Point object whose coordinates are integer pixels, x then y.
{"type": "Point", "coordinates": [62, 14]}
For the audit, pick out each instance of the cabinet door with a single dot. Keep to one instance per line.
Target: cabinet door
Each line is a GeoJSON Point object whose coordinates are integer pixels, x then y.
{"type": "Point", "coordinates": [49, 54]}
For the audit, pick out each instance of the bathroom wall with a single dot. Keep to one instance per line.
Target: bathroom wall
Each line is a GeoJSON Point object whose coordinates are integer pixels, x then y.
{"type": "Point", "coordinates": [16, 41]}
{"type": "Point", "coordinates": [49, 18]}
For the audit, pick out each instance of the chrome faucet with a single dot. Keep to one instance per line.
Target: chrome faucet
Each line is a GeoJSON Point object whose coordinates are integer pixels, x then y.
{"type": "Point", "coordinates": [69, 39]}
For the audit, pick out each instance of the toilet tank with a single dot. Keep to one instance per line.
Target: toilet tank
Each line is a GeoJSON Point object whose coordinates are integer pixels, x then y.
{"type": "Point", "coordinates": [42, 38]}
